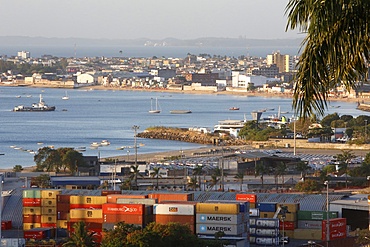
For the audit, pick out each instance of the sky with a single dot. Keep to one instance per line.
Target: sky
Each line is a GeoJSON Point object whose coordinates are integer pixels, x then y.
{"type": "Point", "coordinates": [152, 19]}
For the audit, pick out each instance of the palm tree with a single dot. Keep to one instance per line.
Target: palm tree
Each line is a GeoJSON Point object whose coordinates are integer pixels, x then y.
{"type": "Point", "coordinates": [192, 184]}
{"type": "Point", "coordinates": [240, 177]}
{"type": "Point", "coordinates": [135, 172]}
{"type": "Point", "coordinates": [261, 170]}
{"type": "Point", "coordinates": [345, 159]}
{"type": "Point", "coordinates": [280, 170]}
{"type": "Point", "coordinates": [156, 174]}
{"type": "Point", "coordinates": [214, 180]}
{"type": "Point", "coordinates": [81, 236]}
{"type": "Point", "coordinates": [302, 167]}
{"type": "Point", "coordinates": [217, 174]}
{"type": "Point", "coordinates": [198, 171]}
{"type": "Point", "coordinates": [336, 49]}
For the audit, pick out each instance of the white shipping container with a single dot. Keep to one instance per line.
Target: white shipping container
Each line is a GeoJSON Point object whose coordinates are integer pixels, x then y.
{"type": "Point", "coordinates": [252, 230]}
{"type": "Point", "coordinates": [267, 232]}
{"type": "Point", "coordinates": [229, 230]}
{"type": "Point", "coordinates": [267, 241]}
{"type": "Point", "coordinates": [309, 224]}
{"type": "Point", "coordinates": [12, 242]}
{"type": "Point", "coordinates": [231, 219]}
{"type": "Point", "coordinates": [254, 212]}
{"type": "Point", "coordinates": [267, 222]}
{"type": "Point", "coordinates": [252, 221]}
{"type": "Point", "coordinates": [146, 201]}
{"type": "Point", "coordinates": [174, 209]}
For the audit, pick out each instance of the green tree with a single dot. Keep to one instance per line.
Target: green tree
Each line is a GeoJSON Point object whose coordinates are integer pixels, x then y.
{"type": "Point", "coordinates": [240, 178]}
{"type": "Point", "coordinates": [280, 170]}
{"type": "Point", "coordinates": [335, 49]}
{"type": "Point", "coordinates": [81, 236]}
{"type": "Point", "coordinates": [363, 237]}
{"type": "Point", "coordinates": [70, 159]}
{"type": "Point", "coordinates": [117, 237]}
{"type": "Point", "coordinates": [192, 184]}
{"type": "Point", "coordinates": [197, 172]}
{"type": "Point", "coordinates": [41, 181]}
{"type": "Point", "coordinates": [261, 170]}
{"type": "Point", "coordinates": [328, 119]}
{"type": "Point", "coordinates": [156, 174]}
{"type": "Point", "coordinates": [134, 174]}
{"type": "Point", "coordinates": [17, 168]}
{"type": "Point", "coordinates": [214, 181]}
{"type": "Point", "coordinates": [344, 160]}
{"type": "Point", "coordinates": [303, 168]}
{"type": "Point", "coordinates": [308, 186]}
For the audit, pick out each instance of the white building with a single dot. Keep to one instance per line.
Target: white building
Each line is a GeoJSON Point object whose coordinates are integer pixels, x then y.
{"type": "Point", "coordinates": [86, 78]}
{"type": "Point", "coordinates": [23, 54]}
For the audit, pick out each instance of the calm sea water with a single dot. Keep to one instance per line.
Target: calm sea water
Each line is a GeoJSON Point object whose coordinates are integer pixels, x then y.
{"type": "Point", "coordinates": [96, 115]}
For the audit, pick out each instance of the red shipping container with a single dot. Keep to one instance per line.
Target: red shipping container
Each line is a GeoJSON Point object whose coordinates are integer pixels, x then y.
{"type": "Point", "coordinates": [335, 234]}
{"type": "Point", "coordinates": [127, 218]}
{"type": "Point", "coordinates": [172, 197]}
{"type": "Point", "coordinates": [49, 225]}
{"type": "Point", "coordinates": [288, 225]}
{"type": "Point", "coordinates": [62, 215]}
{"type": "Point", "coordinates": [252, 198]}
{"type": "Point", "coordinates": [111, 208]}
{"type": "Point", "coordinates": [182, 219]}
{"type": "Point", "coordinates": [110, 192]}
{"type": "Point", "coordinates": [86, 206]}
{"type": "Point", "coordinates": [31, 202]}
{"type": "Point", "coordinates": [6, 225]}
{"type": "Point", "coordinates": [31, 218]}
{"type": "Point", "coordinates": [63, 207]}
{"type": "Point", "coordinates": [113, 198]}
{"type": "Point", "coordinates": [337, 223]}
{"type": "Point", "coordinates": [34, 234]}
{"type": "Point", "coordinates": [90, 225]}
{"type": "Point", "coordinates": [63, 198]}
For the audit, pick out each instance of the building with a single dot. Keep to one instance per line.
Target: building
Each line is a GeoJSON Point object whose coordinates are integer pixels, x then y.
{"type": "Point", "coordinates": [23, 54]}
{"type": "Point", "coordinates": [282, 62]}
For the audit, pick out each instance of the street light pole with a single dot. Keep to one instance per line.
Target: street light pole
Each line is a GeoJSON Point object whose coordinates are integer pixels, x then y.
{"type": "Point", "coordinates": [135, 128]}
{"type": "Point", "coordinates": [327, 214]}
{"type": "Point", "coordinates": [294, 131]}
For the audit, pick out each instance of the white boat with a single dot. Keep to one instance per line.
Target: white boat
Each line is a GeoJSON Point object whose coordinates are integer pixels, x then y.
{"type": "Point", "coordinates": [156, 109]}
{"type": "Point", "coordinates": [180, 111]}
{"type": "Point", "coordinates": [95, 144]}
{"type": "Point", "coordinates": [80, 149]}
{"type": "Point", "coordinates": [65, 97]}
{"type": "Point", "coordinates": [229, 126]}
{"type": "Point", "coordinates": [104, 143]}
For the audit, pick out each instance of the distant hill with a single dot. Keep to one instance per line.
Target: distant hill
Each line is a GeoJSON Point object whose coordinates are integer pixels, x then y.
{"type": "Point", "coordinates": [200, 42]}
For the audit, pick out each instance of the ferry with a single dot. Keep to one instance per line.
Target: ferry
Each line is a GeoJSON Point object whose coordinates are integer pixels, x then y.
{"type": "Point", "coordinates": [229, 126]}
{"type": "Point", "coordinates": [40, 106]}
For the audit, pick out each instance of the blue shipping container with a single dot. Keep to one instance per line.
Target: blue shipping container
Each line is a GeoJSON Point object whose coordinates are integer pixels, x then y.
{"type": "Point", "coordinates": [267, 206]}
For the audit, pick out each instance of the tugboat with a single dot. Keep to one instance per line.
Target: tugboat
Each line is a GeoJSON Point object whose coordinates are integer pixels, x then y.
{"type": "Point", "coordinates": [40, 106]}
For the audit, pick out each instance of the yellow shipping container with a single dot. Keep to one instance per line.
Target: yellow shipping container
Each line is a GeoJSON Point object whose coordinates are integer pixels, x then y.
{"type": "Point", "coordinates": [48, 202]}
{"type": "Point", "coordinates": [32, 210]}
{"type": "Point", "coordinates": [217, 208]}
{"type": "Point", "coordinates": [88, 199]}
{"type": "Point", "coordinates": [289, 217]}
{"type": "Point", "coordinates": [49, 194]}
{"type": "Point", "coordinates": [292, 207]}
{"type": "Point", "coordinates": [62, 224]}
{"type": "Point", "coordinates": [48, 210]}
{"type": "Point", "coordinates": [312, 234]}
{"type": "Point", "coordinates": [267, 214]}
{"type": "Point", "coordinates": [48, 219]}
{"type": "Point", "coordinates": [288, 233]}
{"type": "Point", "coordinates": [252, 205]}
{"type": "Point", "coordinates": [86, 214]}
{"type": "Point", "coordinates": [29, 226]}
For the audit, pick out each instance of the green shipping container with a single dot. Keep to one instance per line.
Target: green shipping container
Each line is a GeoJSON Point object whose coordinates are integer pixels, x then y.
{"type": "Point", "coordinates": [316, 215]}
{"type": "Point", "coordinates": [32, 194]}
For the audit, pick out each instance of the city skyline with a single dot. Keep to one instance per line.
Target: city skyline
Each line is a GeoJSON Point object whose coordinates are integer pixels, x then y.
{"type": "Point", "coordinates": [114, 19]}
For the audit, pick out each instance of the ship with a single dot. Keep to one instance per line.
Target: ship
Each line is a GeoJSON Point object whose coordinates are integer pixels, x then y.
{"type": "Point", "coordinates": [180, 111]}
{"type": "Point", "coordinates": [40, 106]}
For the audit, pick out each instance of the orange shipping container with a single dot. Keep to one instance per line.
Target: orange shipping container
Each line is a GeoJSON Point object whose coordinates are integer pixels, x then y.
{"type": "Point", "coordinates": [32, 210]}
{"type": "Point", "coordinates": [217, 208]}
{"type": "Point", "coordinates": [86, 214]}
{"type": "Point", "coordinates": [127, 218]}
{"type": "Point", "coordinates": [246, 197]}
{"type": "Point", "coordinates": [50, 194]}
{"type": "Point", "coordinates": [31, 202]}
{"type": "Point", "coordinates": [88, 199]}
{"type": "Point", "coordinates": [48, 202]}
{"type": "Point", "coordinates": [63, 198]}
{"type": "Point", "coordinates": [182, 219]}
{"type": "Point", "coordinates": [87, 206]}
{"type": "Point", "coordinates": [28, 226]}
{"type": "Point", "coordinates": [48, 225]}
{"type": "Point", "coordinates": [172, 196]}
{"type": "Point", "coordinates": [48, 219]}
{"type": "Point", "coordinates": [113, 198]}
{"type": "Point", "coordinates": [111, 208]}
{"type": "Point", "coordinates": [48, 210]}
{"type": "Point", "coordinates": [31, 218]}
{"type": "Point", "coordinates": [110, 192]}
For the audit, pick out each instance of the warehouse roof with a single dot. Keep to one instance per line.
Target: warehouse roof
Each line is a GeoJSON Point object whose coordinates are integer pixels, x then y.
{"type": "Point", "coordinates": [56, 180]}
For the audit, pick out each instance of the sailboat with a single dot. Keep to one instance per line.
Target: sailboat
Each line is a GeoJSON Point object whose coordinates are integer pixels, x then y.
{"type": "Point", "coordinates": [156, 109]}
{"type": "Point", "coordinates": [65, 97]}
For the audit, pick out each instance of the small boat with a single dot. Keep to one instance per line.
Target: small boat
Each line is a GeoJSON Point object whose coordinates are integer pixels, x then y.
{"type": "Point", "coordinates": [40, 143]}
{"type": "Point", "coordinates": [180, 111]}
{"type": "Point", "coordinates": [234, 108]}
{"type": "Point", "coordinates": [65, 97]}
{"type": "Point", "coordinates": [95, 144]}
{"type": "Point", "coordinates": [120, 148]}
{"type": "Point", "coordinates": [157, 109]}
{"type": "Point", "coordinates": [104, 143]}
{"type": "Point", "coordinates": [41, 106]}
{"type": "Point", "coordinates": [80, 149]}
{"type": "Point", "coordinates": [18, 96]}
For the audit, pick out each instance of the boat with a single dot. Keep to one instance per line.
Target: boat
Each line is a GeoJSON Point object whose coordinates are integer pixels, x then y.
{"type": "Point", "coordinates": [157, 109]}
{"type": "Point", "coordinates": [104, 143]}
{"type": "Point", "coordinates": [180, 111]}
{"type": "Point", "coordinates": [229, 126]}
{"type": "Point", "coordinates": [80, 149]}
{"type": "Point", "coordinates": [40, 106]}
{"type": "Point", "coordinates": [234, 108]}
{"type": "Point", "coordinates": [65, 97]}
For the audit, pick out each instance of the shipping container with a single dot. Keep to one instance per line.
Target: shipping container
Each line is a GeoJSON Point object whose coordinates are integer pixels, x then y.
{"type": "Point", "coordinates": [309, 224]}
{"type": "Point", "coordinates": [62, 224]}
{"type": "Point", "coordinates": [288, 217]}
{"type": "Point", "coordinates": [229, 230]}
{"type": "Point", "coordinates": [50, 194]}
{"type": "Point", "coordinates": [135, 219]}
{"type": "Point", "coordinates": [337, 223]}
{"type": "Point", "coordinates": [291, 207]}
{"type": "Point", "coordinates": [31, 202]}
{"type": "Point", "coordinates": [28, 226]}
{"type": "Point", "coordinates": [315, 215]}
{"type": "Point", "coordinates": [181, 219]}
{"type": "Point", "coordinates": [85, 206]}
{"type": "Point", "coordinates": [110, 192]}
{"type": "Point", "coordinates": [267, 206]}
{"type": "Point", "coordinates": [111, 208]}
{"type": "Point", "coordinates": [146, 201]}
{"type": "Point", "coordinates": [246, 197]}
{"type": "Point", "coordinates": [6, 225]}
{"type": "Point", "coordinates": [231, 219]}
{"type": "Point", "coordinates": [48, 219]}
{"type": "Point", "coordinates": [335, 234]}
{"type": "Point", "coordinates": [252, 205]}
{"type": "Point", "coordinates": [49, 210]}
{"type": "Point", "coordinates": [287, 233]}
{"type": "Point", "coordinates": [267, 232]}
{"type": "Point", "coordinates": [217, 208]}
{"type": "Point", "coordinates": [86, 213]}
{"type": "Point", "coordinates": [62, 215]}
{"type": "Point", "coordinates": [48, 225]}
{"type": "Point", "coordinates": [174, 209]}
{"type": "Point", "coordinates": [243, 206]}
{"type": "Point", "coordinates": [267, 223]}
{"type": "Point", "coordinates": [172, 196]}
{"type": "Point", "coordinates": [31, 194]}
{"type": "Point", "coordinates": [267, 214]}
{"type": "Point", "coordinates": [88, 199]}
{"type": "Point", "coordinates": [109, 226]}
{"type": "Point", "coordinates": [267, 241]}
{"type": "Point", "coordinates": [288, 225]}
{"type": "Point", "coordinates": [252, 231]}
{"type": "Point", "coordinates": [252, 221]}
{"type": "Point", "coordinates": [32, 210]}
{"type": "Point", "coordinates": [311, 234]}
{"type": "Point", "coordinates": [63, 198]}
{"type": "Point", "coordinates": [48, 202]}
{"type": "Point", "coordinates": [31, 218]}
{"type": "Point", "coordinates": [63, 207]}
{"type": "Point", "coordinates": [113, 197]}
{"type": "Point", "coordinates": [97, 226]}
{"type": "Point", "coordinates": [254, 212]}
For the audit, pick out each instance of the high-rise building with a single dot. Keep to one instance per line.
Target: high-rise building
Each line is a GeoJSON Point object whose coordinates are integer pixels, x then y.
{"type": "Point", "coordinates": [283, 62]}
{"type": "Point", "coordinates": [23, 54]}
